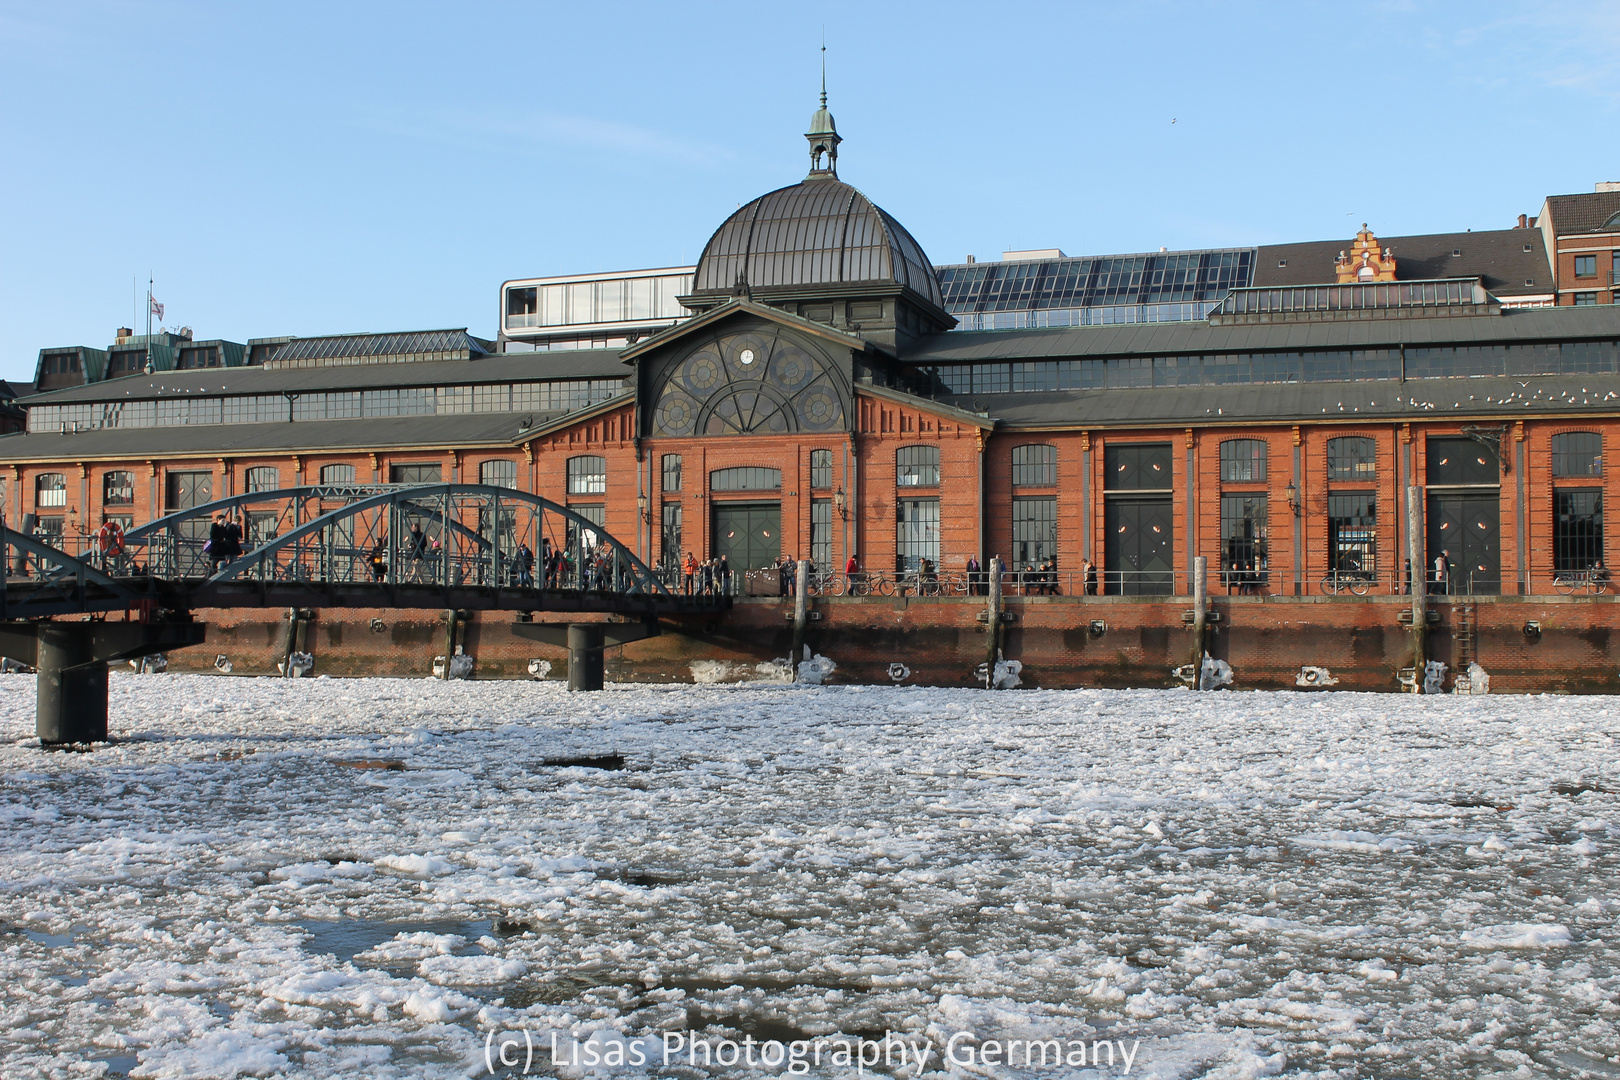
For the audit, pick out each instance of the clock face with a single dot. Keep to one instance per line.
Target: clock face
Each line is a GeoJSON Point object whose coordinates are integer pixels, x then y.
{"type": "Point", "coordinates": [746, 356]}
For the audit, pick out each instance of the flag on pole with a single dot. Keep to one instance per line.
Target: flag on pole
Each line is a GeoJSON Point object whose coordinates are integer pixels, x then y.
{"type": "Point", "coordinates": [157, 308]}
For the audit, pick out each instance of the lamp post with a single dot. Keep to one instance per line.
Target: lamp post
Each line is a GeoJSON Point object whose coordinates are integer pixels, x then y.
{"type": "Point", "coordinates": [1293, 498]}
{"type": "Point", "coordinates": [839, 502]}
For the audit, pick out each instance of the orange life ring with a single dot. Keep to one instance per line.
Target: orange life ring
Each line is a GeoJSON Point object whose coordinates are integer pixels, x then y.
{"type": "Point", "coordinates": [111, 538]}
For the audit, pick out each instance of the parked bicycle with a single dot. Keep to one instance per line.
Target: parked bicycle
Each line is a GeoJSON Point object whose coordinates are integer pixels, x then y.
{"type": "Point", "coordinates": [1595, 580]}
{"type": "Point", "coordinates": [1351, 581]}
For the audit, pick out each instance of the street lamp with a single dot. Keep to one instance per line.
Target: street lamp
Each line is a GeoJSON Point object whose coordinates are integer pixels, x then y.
{"type": "Point", "coordinates": [641, 504]}
{"type": "Point", "coordinates": [838, 501]}
{"type": "Point", "coordinates": [1293, 498]}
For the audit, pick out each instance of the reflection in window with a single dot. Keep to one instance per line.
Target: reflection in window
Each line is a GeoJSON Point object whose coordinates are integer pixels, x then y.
{"type": "Point", "coordinates": [671, 543]}
{"type": "Point", "coordinates": [917, 534]}
{"type": "Point", "coordinates": [917, 466]}
{"type": "Point", "coordinates": [1577, 529]}
{"type": "Point", "coordinates": [1243, 540]}
{"type": "Point", "coordinates": [118, 488]}
{"type": "Point", "coordinates": [746, 478]}
{"type": "Point", "coordinates": [1353, 457]}
{"type": "Point", "coordinates": [498, 473]}
{"type": "Point", "coordinates": [1243, 461]}
{"type": "Point", "coordinates": [587, 475]}
{"type": "Point", "coordinates": [672, 472]}
{"type": "Point", "coordinates": [1353, 533]}
{"type": "Point", "coordinates": [1034, 465]}
{"type": "Point", "coordinates": [1034, 531]}
{"type": "Point", "coordinates": [1577, 453]}
{"type": "Point", "coordinates": [820, 469]}
{"type": "Point", "coordinates": [50, 489]}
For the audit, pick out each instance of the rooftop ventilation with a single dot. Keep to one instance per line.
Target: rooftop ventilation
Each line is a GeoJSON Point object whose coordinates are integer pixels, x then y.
{"type": "Point", "coordinates": [1456, 253]}
{"type": "Point", "coordinates": [1282, 262]}
{"type": "Point", "coordinates": [1527, 247]}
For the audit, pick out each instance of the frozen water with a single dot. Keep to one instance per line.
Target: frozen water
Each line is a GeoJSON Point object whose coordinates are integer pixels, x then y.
{"type": "Point", "coordinates": [1322, 884]}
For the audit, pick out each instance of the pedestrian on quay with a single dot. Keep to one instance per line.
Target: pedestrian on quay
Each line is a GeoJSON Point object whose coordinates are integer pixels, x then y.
{"type": "Point", "coordinates": [691, 572]}
{"type": "Point", "coordinates": [725, 577]}
{"type": "Point", "coordinates": [1088, 577]}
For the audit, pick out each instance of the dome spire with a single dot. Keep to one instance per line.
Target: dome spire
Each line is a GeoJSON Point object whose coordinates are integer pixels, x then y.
{"type": "Point", "coordinates": [823, 133]}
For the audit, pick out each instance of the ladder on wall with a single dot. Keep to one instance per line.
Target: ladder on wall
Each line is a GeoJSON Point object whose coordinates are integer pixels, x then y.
{"type": "Point", "coordinates": [1463, 618]}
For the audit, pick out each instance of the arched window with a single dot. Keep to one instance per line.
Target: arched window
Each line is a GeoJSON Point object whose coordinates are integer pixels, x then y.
{"type": "Point", "coordinates": [118, 488]}
{"type": "Point", "coordinates": [1577, 453]}
{"type": "Point", "coordinates": [821, 470]}
{"type": "Point", "coordinates": [587, 475]}
{"type": "Point", "coordinates": [1353, 457]}
{"type": "Point", "coordinates": [916, 466]}
{"type": "Point", "coordinates": [746, 478]}
{"type": "Point", "coordinates": [500, 472]}
{"type": "Point", "coordinates": [1034, 465]}
{"type": "Point", "coordinates": [1243, 461]}
{"type": "Point", "coordinates": [337, 474]}
{"type": "Point", "coordinates": [50, 489]}
{"type": "Point", "coordinates": [263, 478]}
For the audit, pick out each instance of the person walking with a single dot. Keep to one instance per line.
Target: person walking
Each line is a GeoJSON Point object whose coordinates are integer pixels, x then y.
{"type": "Point", "coordinates": [972, 570]}
{"type": "Point", "coordinates": [216, 543]}
{"type": "Point", "coordinates": [1088, 577]}
{"type": "Point", "coordinates": [1442, 572]}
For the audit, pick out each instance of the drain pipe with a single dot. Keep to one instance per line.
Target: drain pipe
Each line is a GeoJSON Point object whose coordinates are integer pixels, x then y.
{"type": "Point", "coordinates": [1200, 569]}
{"type": "Point", "coordinates": [1414, 552]}
{"type": "Point", "coordinates": [801, 613]}
{"type": "Point", "coordinates": [993, 630]}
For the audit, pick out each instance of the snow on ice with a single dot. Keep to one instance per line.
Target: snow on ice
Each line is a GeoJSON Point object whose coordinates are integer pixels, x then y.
{"type": "Point", "coordinates": [1227, 885]}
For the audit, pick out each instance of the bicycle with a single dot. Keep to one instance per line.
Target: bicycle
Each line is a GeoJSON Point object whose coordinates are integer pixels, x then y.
{"type": "Point", "coordinates": [1352, 581]}
{"type": "Point", "coordinates": [1574, 581]}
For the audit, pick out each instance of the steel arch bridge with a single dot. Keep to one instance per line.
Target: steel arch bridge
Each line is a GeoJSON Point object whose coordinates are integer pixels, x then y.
{"type": "Point", "coordinates": [373, 545]}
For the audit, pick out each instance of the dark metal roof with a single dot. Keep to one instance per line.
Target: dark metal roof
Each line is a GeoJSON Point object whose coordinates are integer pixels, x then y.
{"type": "Point", "coordinates": [504, 367]}
{"type": "Point", "coordinates": [1583, 213]}
{"type": "Point", "coordinates": [364, 346]}
{"type": "Point", "coordinates": [1380, 401]}
{"type": "Point", "coordinates": [1163, 339]}
{"type": "Point", "coordinates": [821, 231]}
{"type": "Point", "coordinates": [1497, 257]}
{"type": "Point", "coordinates": [1095, 281]}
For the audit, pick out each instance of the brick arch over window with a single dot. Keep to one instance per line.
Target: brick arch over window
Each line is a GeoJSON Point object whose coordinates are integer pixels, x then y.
{"type": "Point", "coordinates": [916, 466]}
{"type": "Point", "coordinates": [1034, 465]}
{"type": "Point", "coordinates": [1577, 453]}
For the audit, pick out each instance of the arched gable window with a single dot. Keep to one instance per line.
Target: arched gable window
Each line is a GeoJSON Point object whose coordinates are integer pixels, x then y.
{"type": "Point", "coordinates": [1577, 453]}
{"type": "Point", "coordinates": [1353, 457]}
{"type": "Point", "coordinates": [1034, 465]}
{"type": "Point", "coordinates": [916, 466]}
{"type": "Point", "coordinates": [1243, 461]}
{"type": "Point", "coordinates": [587, 475]}
{"type": "Point", "coordinates": [263, 478]}
{"type": "Point", "coordinates": [337, 474]}
{"type": "Point", "coordinates": [500, 472]}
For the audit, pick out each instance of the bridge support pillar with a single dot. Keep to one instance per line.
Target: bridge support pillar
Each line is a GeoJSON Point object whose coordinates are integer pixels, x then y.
{"type": "Point", "coordinates": [585, 642]}
{"type": "Point", "coordinates": [72, 659]}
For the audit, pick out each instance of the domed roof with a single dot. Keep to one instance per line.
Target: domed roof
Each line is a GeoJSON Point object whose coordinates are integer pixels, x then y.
{"type": "Point", "coordinates": [819, 232]}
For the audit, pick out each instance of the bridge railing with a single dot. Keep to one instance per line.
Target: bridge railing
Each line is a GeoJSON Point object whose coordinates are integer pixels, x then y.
{"type": "Point", "coordinates": [451, 535]}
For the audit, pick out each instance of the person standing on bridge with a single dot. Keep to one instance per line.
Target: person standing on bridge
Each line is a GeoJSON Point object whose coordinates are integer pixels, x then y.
{"type": "Point", "coordinates": [525, 565]}
{"type": "Point", "coordinates": [417, 550]}
{"type": "Point", "coordinates": [691, 571]}
{"type": "Point", "coordinates": [216, 544]}
{"type": "Point", "coordinates": [725, 577]}
{"type": "Point", "coordinates": [233, 539]}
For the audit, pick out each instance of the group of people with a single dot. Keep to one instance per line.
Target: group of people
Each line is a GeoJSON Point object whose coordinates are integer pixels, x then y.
{"type": "Point", "coordinates": [224, 541]}
{"type": "Point", "coordinates": [705, 577]}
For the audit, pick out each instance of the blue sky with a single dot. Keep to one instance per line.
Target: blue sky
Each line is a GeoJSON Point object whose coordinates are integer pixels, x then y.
{"type": "Point", "coordinates": [315, 168]}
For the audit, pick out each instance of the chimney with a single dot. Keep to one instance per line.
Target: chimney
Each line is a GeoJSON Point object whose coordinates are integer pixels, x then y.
{"type": "Point", "coordinates": [124, 334]}
{"type": "Point", "coordinates": [1523, 222]}
{"type": "Point", "coordinates": [972, 259]}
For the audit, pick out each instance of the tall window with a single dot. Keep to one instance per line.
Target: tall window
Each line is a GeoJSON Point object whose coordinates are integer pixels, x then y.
{"type": "Point", "coordinates": [672, 472]}
{"type": "Point", "coordinates": [1351, 458]}
{"type": "Point", "coordinates": [746, 478]}
{"type": "Point", "coordinates": [263, 478]}
{"type": "Point", "coordinates": [917, 535]}
{"type": "Point", "coordinates": [821, 533]}
{"type": "Point", "coordinates": [1243, 539]}
{"type": "Point", "coordinates": [917, 466]}
{"type": "Point", "coordinates": [596, 514]}
{"type": "Point", "coordinates": [1577, 528]}
{"type": "Point", "coordinates": [339, 474]}
{"type": "Point", "coordinates": [1034, 530]}
{"type": "Point", "coordinates": [1577, 453]}
{"type": "Point", "coordinates": [1353, 533]}
{"type": "Point", "coordinates": [498, 473]}
{"type": "Point", "coordinates": [820, 470]}
{"type": "Point", "coordinates": [671, 545]}
{"type": "Point", "coordinates": [118, 488]}
{"type": "Point", "coordinates": [426, 472]}
{"type": "Point", "coordinates": [1243, 461]}
{"type": "Point", "coordinates": [1034, 465]}
{"type": "Point", "coordinates": [1586, 266]}
{"type": "Point", "coordinates": [587, 475]}
{"type": "Point", "coordinates": [50, 489]}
